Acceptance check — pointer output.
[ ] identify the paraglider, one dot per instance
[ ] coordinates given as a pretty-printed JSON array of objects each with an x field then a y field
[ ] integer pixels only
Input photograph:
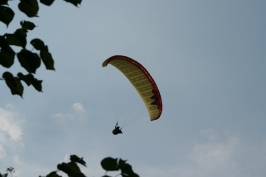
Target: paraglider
[
  {"x": 117, "y": 129},
  {"x": 142, "y": 81}
]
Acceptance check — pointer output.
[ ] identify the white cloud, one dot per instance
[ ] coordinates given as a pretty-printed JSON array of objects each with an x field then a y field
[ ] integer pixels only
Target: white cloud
[
  {"x": 16, "y": 159},
  {"x": 9, "y": 125},
  {"x": 215, "y": 155},
  {"x": 63, "y": 117},
  {"x": 209, "y": 134},
  {"x": 78, "y": 109},
  {"x": 2, "y": 152},
  {"x": 10, "y": 130},
  {"x": 222, "y": 155}
]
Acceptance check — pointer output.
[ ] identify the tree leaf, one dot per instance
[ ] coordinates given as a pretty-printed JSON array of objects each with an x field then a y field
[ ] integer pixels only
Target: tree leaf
[
  {"x": 30, "y": 80},
  {"x": 6, "y": 14},
  {"x": 29, "y": 60},
  {"x": 18, "y": 38},
  {"x": 126, "y": 169},
  {"x": 38, "y": 44},
  {"x": 109, "y": 164},
  {"x": 47, "y": 2},
  {"x": 29, "y": 7},
  {"x": 3, "y": 2},
  {"x": 64, "y": 168},
  {"x": 53, "y": 174},
  {"x": 3, "y": 42},
  {"x": 24, "y": 78},
  {"x": 13, "y": 83},
  {"x": 7, "y": 55},
  {"x": 76, "y": 159},
  {"x": 37, "y": 84},
  {"x": 47, "y": 59},
  {"x": 7, "y": 58},
  {"x": 46, "y": 56},
  {"x": 121, "y": 163},
  {"x": 27, "y": 25},
  {"x": 74, "y": 2},
  {"x": 3, "y": 175},
  {"x": 71, "y": 169}
]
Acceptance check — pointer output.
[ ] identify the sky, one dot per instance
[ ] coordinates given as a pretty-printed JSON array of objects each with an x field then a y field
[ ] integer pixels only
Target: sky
[{"x": 207, "y": 58}]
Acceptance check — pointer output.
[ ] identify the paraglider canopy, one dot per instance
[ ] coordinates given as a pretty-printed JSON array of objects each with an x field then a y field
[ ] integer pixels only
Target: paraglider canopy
[{"x": 141, "y": 80}]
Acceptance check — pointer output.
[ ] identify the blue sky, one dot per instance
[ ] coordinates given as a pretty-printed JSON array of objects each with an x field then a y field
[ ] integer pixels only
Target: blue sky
[{"x": 207, "y": 58}]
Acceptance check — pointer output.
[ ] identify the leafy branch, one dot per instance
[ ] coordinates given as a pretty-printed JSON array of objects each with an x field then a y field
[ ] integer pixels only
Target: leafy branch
[
  {"x": 72, "y": 169},
  {"x": 29, "y": 60},
  {"x": 114, "y": 164}
]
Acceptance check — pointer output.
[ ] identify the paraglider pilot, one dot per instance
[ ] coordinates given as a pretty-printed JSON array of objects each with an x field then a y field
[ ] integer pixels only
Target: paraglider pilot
[{"x": 117, "y": 129}]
